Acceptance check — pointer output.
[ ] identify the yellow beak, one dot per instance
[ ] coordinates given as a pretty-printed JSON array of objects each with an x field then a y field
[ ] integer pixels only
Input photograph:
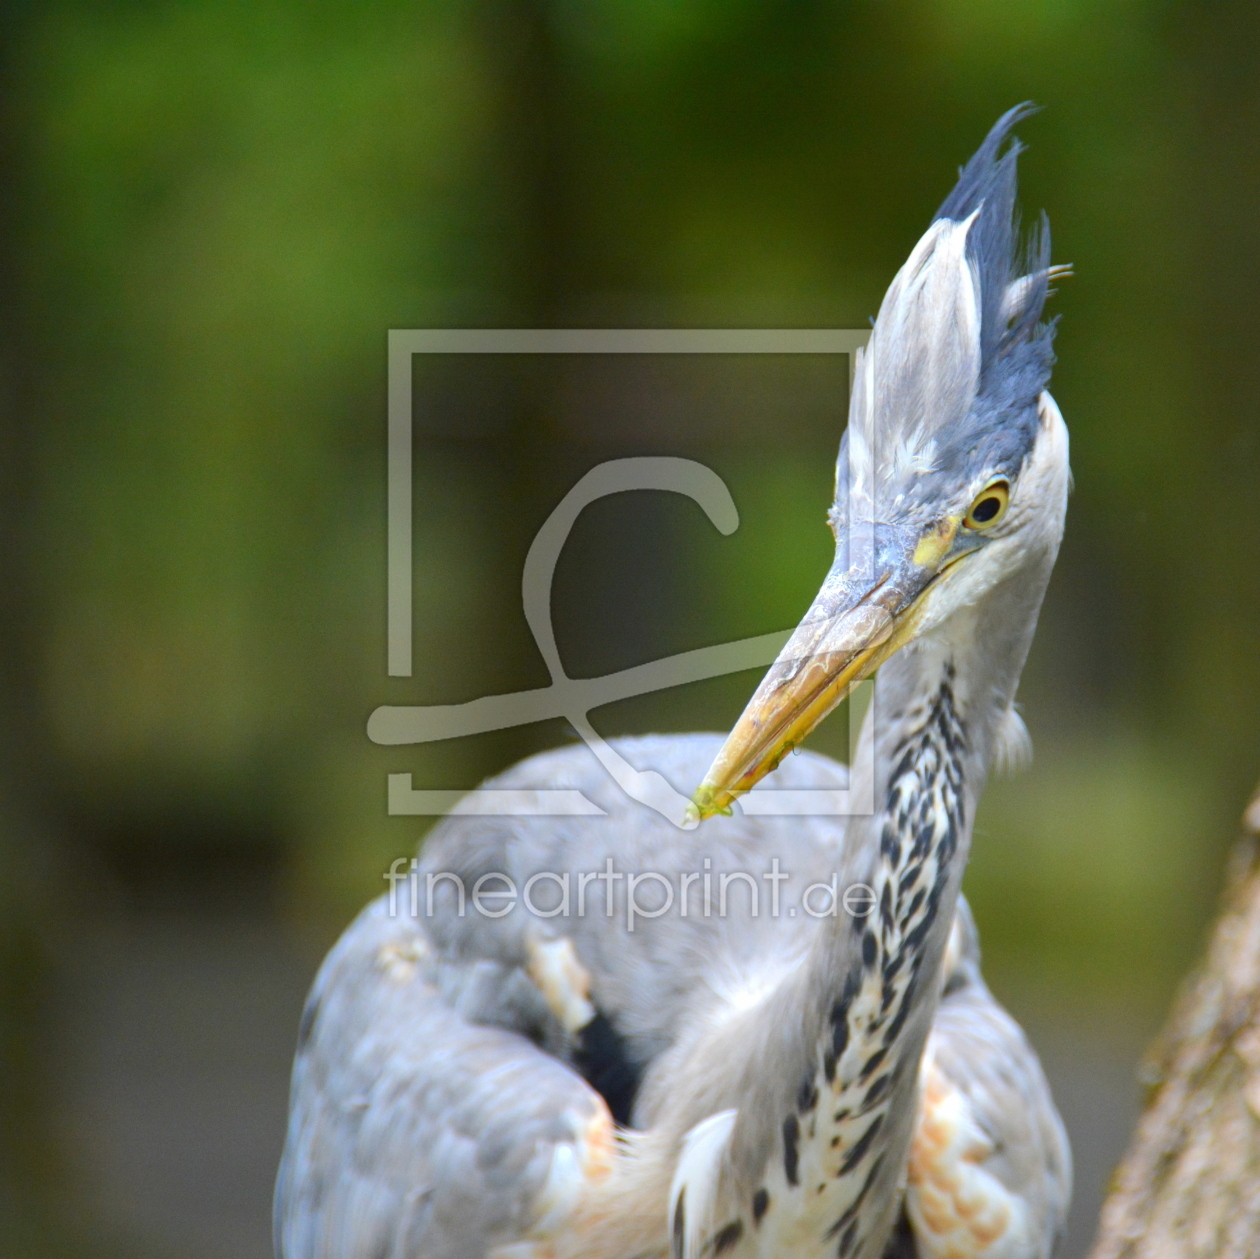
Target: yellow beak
[{"x": 860, "y": 617}]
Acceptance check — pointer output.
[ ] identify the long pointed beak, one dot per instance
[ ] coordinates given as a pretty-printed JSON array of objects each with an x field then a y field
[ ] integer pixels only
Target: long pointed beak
[{"x": 861, "y": 616}]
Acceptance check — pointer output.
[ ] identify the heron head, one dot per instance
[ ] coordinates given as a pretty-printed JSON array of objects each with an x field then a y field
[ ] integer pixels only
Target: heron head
[{"x": 953, "y": 472}]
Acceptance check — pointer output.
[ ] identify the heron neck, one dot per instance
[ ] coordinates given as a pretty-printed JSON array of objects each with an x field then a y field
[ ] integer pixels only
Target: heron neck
[
  {"x": 859, "y": 1012},
  {"x": 930, "y": 736},
  {"x": 968, "y": 670}
]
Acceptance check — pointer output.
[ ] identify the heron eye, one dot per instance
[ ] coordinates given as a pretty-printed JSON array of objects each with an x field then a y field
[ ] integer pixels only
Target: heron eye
[{"x": 989, "y": 507}]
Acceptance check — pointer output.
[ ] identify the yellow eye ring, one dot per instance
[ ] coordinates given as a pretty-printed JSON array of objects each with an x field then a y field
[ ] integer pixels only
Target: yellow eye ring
[{"x": 990, "y": 506}]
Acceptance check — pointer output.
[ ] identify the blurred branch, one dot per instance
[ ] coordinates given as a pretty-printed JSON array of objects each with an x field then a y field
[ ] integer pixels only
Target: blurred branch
[{"x": 1189, "y": 1185}]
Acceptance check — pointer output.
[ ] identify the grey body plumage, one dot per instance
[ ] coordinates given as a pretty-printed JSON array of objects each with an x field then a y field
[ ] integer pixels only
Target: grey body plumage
[{"x": 780, "y": 1095}]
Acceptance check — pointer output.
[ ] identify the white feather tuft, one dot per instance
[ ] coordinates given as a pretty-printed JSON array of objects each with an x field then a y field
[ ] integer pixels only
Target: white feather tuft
[
  {"x": 921, "y": 366},
  {"x": 697, "y": 1179},
  {"x": 1012, "y": 744},
  {"x": 1020, "y": 292}
]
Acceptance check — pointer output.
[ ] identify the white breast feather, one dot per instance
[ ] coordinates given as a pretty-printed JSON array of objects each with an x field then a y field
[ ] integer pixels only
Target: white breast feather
[{"x": 696, "y": 1181}]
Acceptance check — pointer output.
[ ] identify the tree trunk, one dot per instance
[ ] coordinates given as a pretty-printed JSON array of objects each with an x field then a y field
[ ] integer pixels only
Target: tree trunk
[{"x": 1189, "y": 1185}]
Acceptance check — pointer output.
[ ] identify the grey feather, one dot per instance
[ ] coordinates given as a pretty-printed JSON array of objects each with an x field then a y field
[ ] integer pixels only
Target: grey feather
[
  {"x": 984, "y": 1053},
  {"x": 414, "y": 1131},
  {"x": 424, "y": 1112}
]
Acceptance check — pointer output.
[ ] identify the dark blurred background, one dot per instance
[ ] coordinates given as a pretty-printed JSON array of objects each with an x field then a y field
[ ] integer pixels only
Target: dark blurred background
[{"x": 211, "y": 215}]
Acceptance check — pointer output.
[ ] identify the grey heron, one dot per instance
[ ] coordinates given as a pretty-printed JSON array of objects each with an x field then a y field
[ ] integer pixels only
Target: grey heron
[{"x": 564, "y": 1076}]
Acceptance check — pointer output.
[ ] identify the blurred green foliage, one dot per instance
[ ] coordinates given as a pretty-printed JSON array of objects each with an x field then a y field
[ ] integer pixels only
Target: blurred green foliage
[
  {"x": 214, "y": 212},
  {"x": 221, "y": 210}
]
